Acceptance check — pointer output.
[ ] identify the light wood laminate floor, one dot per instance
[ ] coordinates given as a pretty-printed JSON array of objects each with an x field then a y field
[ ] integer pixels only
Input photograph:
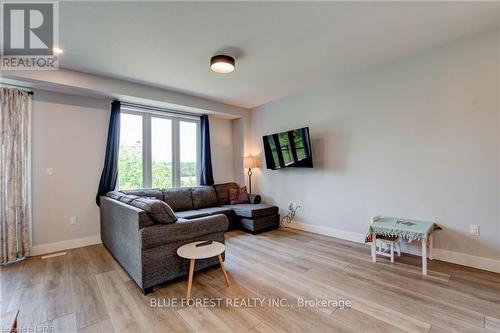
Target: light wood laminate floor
[{"x": 87, "y": 291}]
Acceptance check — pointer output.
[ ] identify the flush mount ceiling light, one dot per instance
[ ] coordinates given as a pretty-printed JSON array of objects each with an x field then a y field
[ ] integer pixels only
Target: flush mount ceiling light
[{"x": 223, "y": 64}]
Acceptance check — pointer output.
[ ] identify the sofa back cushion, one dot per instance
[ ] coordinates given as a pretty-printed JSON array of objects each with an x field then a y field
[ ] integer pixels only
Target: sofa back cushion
[
  {"x": 120, "y": 196},
  {"x": 222, "y": 191},
  {"x": 178, "y": 198},
  {"x": 204, "y": 196},
  {"x": 115, "y": 195},
  {"x": 159, "y": 211},
  {"x": 146, "y": 192},
  {"x": 128, "y": 198}
]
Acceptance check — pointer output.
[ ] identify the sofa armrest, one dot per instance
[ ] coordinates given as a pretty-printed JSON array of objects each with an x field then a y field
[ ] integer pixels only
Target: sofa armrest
[
  {"x": 160, "y": 234},
  {"x": 120, "y": 225},
  {"x": 254, "y": 198},
  {"x": 114, "y": 209}
]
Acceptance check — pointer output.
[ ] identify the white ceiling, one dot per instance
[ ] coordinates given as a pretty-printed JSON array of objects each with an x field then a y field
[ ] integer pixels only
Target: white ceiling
[{"x": 281, "y": 47}]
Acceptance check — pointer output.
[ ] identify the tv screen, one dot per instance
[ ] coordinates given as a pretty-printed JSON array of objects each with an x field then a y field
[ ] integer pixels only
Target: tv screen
[{"x": 288, "y": 149}]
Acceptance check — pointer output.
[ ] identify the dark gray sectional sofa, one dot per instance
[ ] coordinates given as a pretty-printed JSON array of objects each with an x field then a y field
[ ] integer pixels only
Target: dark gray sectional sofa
[{"x": 147, "y": 248}]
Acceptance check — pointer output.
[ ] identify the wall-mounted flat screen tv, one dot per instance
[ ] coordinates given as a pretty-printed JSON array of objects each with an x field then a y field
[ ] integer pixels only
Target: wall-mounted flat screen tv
[{"x": 288, "y": 149}]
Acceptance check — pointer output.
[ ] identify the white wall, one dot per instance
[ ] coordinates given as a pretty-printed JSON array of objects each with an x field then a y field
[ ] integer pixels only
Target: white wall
[
  {"x": 69, "y": 135},
  {"x": 241, "y": 139},
  {"x": 418, "y": 138},
  {"x": 221, "y": 146}
]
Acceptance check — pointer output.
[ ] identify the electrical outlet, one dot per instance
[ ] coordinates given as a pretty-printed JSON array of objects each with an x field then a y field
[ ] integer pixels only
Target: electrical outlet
[
  {"x": 50, "y": 171},
  {"x": 290, "y": 205},
  {"x": 474, "y": 229},
  {"x": 72, "y": 220}
]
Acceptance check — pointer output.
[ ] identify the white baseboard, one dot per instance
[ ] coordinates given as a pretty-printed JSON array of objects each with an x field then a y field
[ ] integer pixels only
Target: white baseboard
[
  {"x": 65, "y": 245},
  {"x": 487, "y": 264},
  {"x": 327, "y": 231}
]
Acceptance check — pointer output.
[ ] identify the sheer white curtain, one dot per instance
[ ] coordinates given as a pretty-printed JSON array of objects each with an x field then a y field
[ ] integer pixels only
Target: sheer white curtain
[{"x": 15, "y": 182}]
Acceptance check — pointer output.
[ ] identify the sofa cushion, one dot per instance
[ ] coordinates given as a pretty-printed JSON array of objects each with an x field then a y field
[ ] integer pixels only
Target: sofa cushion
[
  {"x": 178, "y": 198},
  {"x": 261, "y": 223},
  {"x": 222, "y": 191},
  {"x": 218, "y": 210},
  {"x": 183, "y": 230},
  {"x": 128, "y": 198},
  {"x": 253, "y": 210},
  {"x": 159, "y": 211},
  {"x": 203, "y": 196},
  {"x": 115, "y": 195},
  {"x": 146, "y": 192},
  {"x": 191, "y": 214},
  {"x": 114, "y": 213},
  {"x": 120, "y": 196}
]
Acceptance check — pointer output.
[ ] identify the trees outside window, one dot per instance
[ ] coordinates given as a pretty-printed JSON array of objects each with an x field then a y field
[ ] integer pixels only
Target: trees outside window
[{"x": 157, "y": 151}]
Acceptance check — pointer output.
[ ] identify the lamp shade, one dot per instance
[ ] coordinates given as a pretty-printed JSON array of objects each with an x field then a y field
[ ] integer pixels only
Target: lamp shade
[{"x": 249, "y": 162}]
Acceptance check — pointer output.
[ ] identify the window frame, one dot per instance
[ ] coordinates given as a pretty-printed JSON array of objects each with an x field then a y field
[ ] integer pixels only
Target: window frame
[{"x": 147, "y": 157}]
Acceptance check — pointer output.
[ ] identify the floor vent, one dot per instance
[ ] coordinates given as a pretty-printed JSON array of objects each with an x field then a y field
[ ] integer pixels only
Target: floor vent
[{"x": 54, "y": 255}]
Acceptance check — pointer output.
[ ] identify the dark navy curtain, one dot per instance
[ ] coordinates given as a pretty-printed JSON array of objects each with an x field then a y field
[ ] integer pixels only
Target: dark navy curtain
[
  {"x": 206, "y": 176},
  {"x": 109, "y": 174}
]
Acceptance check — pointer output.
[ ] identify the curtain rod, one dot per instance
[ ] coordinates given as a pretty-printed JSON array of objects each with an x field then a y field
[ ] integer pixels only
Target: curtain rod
[
  {"x": 153, "y": 108},
  {"x": 30, "y": 92}
]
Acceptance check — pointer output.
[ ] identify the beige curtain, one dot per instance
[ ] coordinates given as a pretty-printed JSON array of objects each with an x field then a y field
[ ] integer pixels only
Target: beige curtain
[{"x": 15, "y": 184}]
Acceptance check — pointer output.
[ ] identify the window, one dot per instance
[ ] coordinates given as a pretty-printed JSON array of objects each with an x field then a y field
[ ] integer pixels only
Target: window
[
  {"x": 161, "y": 152},
  {"x": 130, "y": 162},
  {"x": 188, "y": 153},
  {"x": 157, "y": 150}
]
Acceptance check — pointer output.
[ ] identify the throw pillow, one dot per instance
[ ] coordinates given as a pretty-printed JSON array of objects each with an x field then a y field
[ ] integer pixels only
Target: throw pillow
[
  {"x": 115, "y": 195},
  {"x": 128, "y": 198},
  {"x": 159, "y": 211},
  {"x": 237, "y": 196}
]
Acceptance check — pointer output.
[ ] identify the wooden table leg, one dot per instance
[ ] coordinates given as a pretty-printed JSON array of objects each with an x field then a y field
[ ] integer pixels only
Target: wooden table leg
[
  {"x": 431, "y": 246},
  {"x": 392, "y": 253},
  {"x": 221, "y": 262},
  {"x": 374, "y": 247},
  {"x": 190, "y": 280},
  {"x": 424, "y": 257}
]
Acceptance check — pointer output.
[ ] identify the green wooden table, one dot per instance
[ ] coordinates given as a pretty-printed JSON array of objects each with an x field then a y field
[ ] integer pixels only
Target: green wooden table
[{"x": 417, "y": 230}]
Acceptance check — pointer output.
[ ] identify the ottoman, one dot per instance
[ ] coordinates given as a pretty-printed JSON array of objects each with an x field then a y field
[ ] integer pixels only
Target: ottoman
[{"x": 257, "y": 217}]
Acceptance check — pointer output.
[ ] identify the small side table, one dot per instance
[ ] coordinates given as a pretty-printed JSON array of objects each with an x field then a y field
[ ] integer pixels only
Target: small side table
[
  {"x": 422, "y": 231},
  {"x": 191, "y": 252}
]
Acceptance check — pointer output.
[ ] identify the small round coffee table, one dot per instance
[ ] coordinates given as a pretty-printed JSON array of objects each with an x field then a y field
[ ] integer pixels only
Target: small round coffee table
[{"x": 191, "y": 252}]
